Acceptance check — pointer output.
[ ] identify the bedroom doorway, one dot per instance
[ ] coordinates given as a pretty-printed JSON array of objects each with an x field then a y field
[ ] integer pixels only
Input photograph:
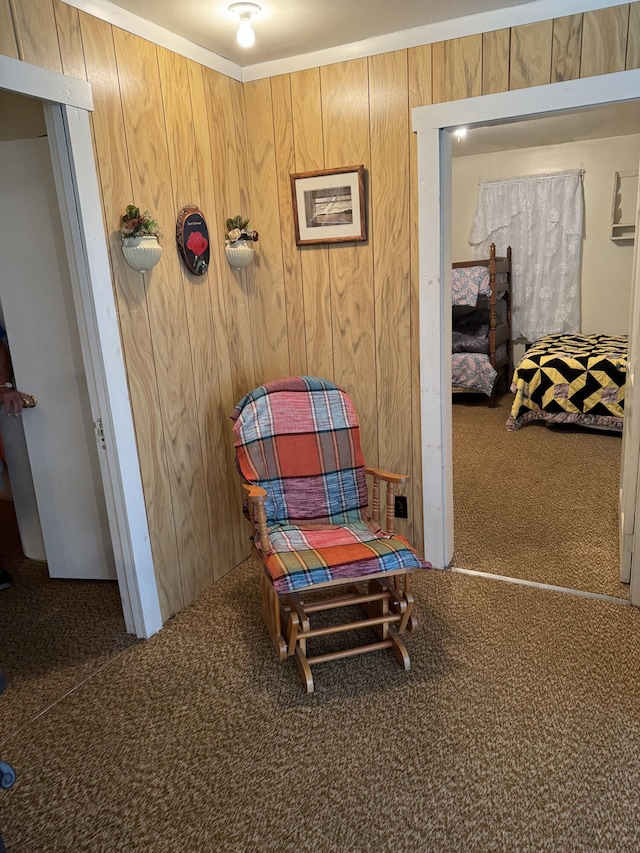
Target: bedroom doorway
[
  {"x": 559, "y": 523},
  {"x": 432, "y": 124}
]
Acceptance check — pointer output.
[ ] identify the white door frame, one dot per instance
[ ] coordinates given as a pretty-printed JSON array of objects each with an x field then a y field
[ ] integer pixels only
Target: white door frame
[
  {"x": 66, "y": 105},
  {"x": 630, "y": 462},
  {"x": 433, "y": 125}
]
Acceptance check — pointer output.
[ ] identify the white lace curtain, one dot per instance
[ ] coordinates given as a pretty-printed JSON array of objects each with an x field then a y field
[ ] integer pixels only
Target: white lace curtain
[{"x": 540, "y": 217}]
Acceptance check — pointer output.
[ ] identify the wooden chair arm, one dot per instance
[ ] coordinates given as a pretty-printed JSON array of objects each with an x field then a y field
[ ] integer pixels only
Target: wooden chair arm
[
  {"x": 255, "y": 498},
  {"x": 392, "y": 481},
  {"x": 254, "y": 491},
  {"x": 387, "y": 476}
]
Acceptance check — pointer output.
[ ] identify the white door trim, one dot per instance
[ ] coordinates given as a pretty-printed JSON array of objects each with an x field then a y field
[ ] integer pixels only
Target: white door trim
[
  {"x": 79, "y": 197},
  {"x": 36, "y": 82},
  {"x": 433, "y": 125},
  {"x": 630, "y": 463}
]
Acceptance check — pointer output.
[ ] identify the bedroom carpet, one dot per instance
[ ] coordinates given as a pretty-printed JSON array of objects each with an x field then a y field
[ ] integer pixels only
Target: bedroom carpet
[
  {"x": 538, "y": 504},
  {"x": 517, "y": 728}
]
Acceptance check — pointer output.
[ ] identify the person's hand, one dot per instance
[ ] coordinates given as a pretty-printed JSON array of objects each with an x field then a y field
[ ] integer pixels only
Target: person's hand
[{"x": 14, "y": 401}]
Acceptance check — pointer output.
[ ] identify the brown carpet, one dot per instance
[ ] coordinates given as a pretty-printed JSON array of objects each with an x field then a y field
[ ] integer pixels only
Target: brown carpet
[
  {"x": 539, "y": 504},
  {"x": 53, "y": 633},
  {"x": 517, "y": 728}
]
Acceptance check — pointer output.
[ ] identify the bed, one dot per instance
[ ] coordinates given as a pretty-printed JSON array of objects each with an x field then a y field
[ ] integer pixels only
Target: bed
[
  {"x": 481, "y": 324},
  {"x": 575, "y": 379}
]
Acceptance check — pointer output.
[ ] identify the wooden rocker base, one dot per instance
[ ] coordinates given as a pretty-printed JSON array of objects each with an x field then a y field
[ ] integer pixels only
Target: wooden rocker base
[
  {"x": 386, "y": 602},
  {"x": 305, "y": 663},
  {"x": 272, "y": 615}
]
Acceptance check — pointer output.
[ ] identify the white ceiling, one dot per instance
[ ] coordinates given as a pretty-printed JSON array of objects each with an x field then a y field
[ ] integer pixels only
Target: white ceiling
[
  {"x": 287, "y": 28},
  {"x": 293, "y": 28},
  {"x": 590, "y": 123}
]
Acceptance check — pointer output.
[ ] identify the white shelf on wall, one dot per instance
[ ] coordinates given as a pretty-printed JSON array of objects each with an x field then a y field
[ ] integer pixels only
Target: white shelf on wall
[{"x": 623, "y": 207}]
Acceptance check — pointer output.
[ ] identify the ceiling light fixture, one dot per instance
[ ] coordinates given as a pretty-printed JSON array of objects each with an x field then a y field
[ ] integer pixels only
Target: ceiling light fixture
[
  {"x": 460, "y": 132},
  {"x": 245, "y": 12}
]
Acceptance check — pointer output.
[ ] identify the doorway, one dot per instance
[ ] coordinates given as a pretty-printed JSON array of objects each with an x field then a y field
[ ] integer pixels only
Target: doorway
[
  {"x": 541, "y": 504},
  {"x": 72, "y": 158},
  {"x": 434, "y": 165},
  {"x": 42, "y": 332}
]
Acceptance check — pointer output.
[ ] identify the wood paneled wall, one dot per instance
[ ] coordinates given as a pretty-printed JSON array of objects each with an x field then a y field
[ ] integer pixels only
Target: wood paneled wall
[
  {"x": 168, "y": 132},
  {"x": 356, "y": 306}
]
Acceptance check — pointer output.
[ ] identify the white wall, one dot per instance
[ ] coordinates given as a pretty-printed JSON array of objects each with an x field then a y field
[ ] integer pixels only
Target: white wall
[
  {"x": 606, "y": 266},
  {"x": 42, "y": 329},
  {"x": 20, "y": 117}
]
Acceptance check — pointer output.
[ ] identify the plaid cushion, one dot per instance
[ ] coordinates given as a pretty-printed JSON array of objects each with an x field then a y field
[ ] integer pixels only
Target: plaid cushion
[{"x": 298, "y": 438}]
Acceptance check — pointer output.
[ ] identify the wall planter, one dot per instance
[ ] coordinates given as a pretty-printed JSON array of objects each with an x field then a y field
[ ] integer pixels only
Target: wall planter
[
  {"x": 238, "y": 245},
  {"x": 141, "y": 253},
  {"x": 239, "y": 253}
]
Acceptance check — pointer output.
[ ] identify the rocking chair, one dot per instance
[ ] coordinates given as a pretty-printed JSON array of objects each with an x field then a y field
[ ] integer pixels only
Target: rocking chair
[{"x": 298, "y": 449}]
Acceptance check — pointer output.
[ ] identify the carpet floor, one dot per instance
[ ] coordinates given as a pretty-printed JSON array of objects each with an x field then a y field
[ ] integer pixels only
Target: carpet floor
[
  {"x": 540, "y": 504},
  {"x": 53, "y": 634},
  {"x": 517, "y": 728}
]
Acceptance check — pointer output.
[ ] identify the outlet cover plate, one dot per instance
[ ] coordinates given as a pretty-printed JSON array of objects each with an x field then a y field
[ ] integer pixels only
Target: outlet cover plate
[{"x": 400, "y": 508}]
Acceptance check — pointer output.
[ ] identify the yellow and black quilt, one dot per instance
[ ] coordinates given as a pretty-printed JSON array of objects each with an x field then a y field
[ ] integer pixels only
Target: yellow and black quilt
[{"x": 571, "y": 379}]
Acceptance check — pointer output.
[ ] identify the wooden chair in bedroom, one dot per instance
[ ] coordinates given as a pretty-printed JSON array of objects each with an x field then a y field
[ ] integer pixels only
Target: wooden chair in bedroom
[{"x": 298, "y": 449}]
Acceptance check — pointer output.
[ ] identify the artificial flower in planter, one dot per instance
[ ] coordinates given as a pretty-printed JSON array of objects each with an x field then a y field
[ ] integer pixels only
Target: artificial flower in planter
[
  {"x": 238, "y": 246},
  {"x": 140, "y": 233}
]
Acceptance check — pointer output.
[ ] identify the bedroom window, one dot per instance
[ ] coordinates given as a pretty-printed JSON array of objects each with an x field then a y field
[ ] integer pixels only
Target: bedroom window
[{"x": 541, "y": 218}]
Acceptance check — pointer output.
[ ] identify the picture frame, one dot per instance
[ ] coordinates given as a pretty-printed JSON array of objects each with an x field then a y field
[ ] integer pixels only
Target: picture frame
[{"x": 329, "y": 205}]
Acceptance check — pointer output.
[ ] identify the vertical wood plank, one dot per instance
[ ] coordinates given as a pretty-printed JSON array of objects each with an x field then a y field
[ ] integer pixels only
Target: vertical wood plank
[
  {"x": 269, "y": 317},
  {"x": 392, "y": 257},
  {"x": 236, "y": 283},
  {"x": 70, "y": 40},
  {"x": 420, "y": 80},
  {"x": 242, "y": 153},
  {"x": 8, "y": 43},
  {"x": 214, "y": 389},
  {"x": 291, "y": 260},
  {"x": 530, "y": 61},
  {"x": 144, "y": 120},
  {"x": 457, "y": 69},
  {"x": 247, "y": 276},
  {"x": 116, "y": 191},
  {"x": 633, "y": 40},
  {"x": 345, "y": 120},
  {"x": 307, "y": 119},
  {"x": 439, "y": 72},
  {"x": 36, "y": 34},
  {"x": 306, "y": 107},
  {"x": 495, "y": 61},
  {"x": 567, "y": 47},
  {"x": 604, "y": 41},
  {"x": 178, "y": 123},
  {"x": 200, "y": 365},
  {"x": 246, "y": 203},
  {"x": 420, "y": 94}
]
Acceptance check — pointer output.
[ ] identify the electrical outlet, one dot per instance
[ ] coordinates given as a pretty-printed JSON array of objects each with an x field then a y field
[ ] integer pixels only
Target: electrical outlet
[{"x": 400, "y": 508}]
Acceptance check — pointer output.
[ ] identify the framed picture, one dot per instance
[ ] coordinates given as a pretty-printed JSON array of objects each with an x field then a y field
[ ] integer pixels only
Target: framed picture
[{"x": 329, "y": 206}]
